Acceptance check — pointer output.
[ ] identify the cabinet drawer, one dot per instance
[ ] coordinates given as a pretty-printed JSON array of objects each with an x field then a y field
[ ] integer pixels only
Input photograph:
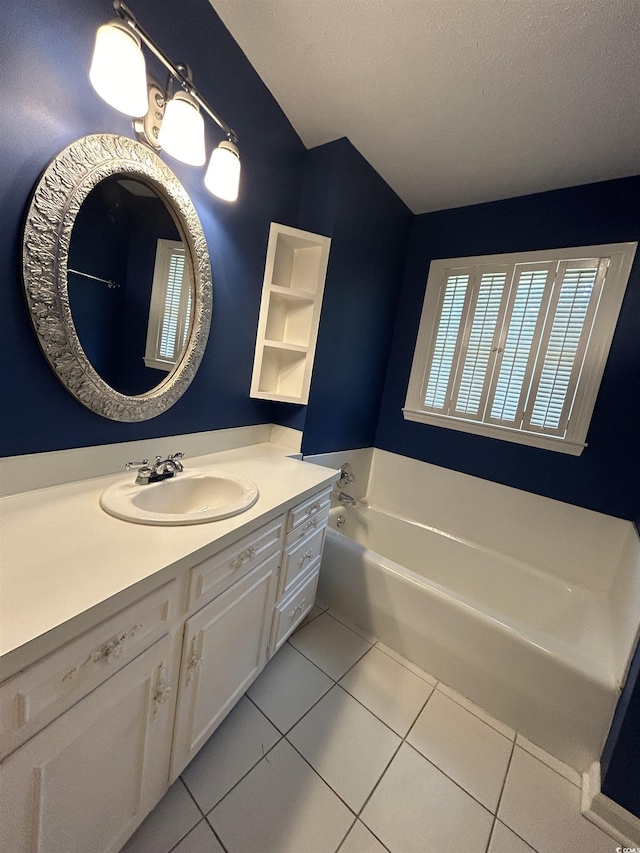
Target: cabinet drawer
[
  {"x": 34, "y": 697},
  {"x": 298, "y": 558},
  {"x": 304, "y": 511},
  {"x": 213, "y": 576},
  {"x": 292, "y": 610},
  {"x": 316, "y": 522}
]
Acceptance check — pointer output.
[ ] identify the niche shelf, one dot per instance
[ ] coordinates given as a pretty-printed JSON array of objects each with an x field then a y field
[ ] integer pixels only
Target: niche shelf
[{"x": 294, "y": 276}]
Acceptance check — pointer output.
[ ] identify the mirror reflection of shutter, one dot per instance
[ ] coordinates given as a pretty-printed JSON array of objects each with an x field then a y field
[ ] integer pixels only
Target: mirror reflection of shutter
[
  {"x": 439, "y": 372},
  {"x": 168, "y": 345},
  {"x": 571, "y": 313},
  {"x": 170, "y": 308}
]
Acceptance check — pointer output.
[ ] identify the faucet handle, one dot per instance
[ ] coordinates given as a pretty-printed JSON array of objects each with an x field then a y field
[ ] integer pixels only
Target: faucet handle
[
  {"x": 175, "y": 457},
  {"x": 144, "y": 464}
]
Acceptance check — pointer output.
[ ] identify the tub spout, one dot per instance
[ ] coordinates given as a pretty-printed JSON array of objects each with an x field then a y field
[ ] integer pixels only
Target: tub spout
[{"x": 344, "y": 498}]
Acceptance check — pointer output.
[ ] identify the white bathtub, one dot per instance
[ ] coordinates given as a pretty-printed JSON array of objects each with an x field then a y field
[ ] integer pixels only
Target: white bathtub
[{"x": 535, "y": 650}]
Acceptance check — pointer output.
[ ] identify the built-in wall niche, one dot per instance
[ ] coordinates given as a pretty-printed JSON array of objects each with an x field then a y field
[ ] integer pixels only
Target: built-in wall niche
[{"x": 292, "y": 290}]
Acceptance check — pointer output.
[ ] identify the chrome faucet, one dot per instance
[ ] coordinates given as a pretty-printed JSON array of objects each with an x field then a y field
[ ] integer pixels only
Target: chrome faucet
[
  {"x": 162, "y": 469},
  {"x": 344, "y": 498}
]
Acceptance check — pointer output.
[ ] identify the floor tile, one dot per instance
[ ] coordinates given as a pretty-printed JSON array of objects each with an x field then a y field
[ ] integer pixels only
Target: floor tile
[
  {"x": 281, "y": 806},
  {"x": 330, "y": 645},
  {"x": 311, "y": 615},
  {"x": 505, "y": 841},
  {"x": 478, "y": 712},
  {"x": 555, "y": 763},
  {"x": 360, "y": 840},
  {"x": 288, "y": 687},
  {"x": 464, "y": 747},
  {"x": 388, "y": 689},
  {"x": 349, "y": 624},
  {"x": 544, "y": 808},
  {"x": 416, "y": 808},
  {"x": 174, "y": 816},
  {"x": 320, "y": 604},
  {"x": 406, "y": 663},
  {"x": 200, "y": 840},
  {"x": 239, "y": 743},
  {"x": 346, "y": 744}
]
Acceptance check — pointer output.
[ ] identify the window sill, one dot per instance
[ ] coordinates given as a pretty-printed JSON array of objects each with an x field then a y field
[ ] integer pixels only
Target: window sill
[{"x": 544, "y": 442}]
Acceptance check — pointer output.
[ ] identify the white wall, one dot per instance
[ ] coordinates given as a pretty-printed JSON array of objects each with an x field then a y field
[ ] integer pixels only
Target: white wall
[{"x": 360, "y": 461}]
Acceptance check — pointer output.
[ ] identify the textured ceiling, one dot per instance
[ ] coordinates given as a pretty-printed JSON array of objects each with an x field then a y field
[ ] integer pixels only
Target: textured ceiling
[{"x": 456, "y": 102}]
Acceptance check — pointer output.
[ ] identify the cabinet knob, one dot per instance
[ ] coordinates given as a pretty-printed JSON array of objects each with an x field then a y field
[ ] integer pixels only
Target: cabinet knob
[{"x": 308, "y": 555}]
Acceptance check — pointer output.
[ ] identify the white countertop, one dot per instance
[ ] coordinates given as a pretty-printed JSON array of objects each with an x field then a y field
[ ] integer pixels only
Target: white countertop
[{"x": 65, "y": 564}]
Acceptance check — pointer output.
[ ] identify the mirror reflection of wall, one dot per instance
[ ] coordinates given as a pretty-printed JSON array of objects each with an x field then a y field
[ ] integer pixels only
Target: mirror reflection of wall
[{"x": 134, "y": 324}]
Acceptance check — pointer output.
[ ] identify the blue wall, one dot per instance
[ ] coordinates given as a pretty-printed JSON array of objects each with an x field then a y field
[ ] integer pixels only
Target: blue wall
[
  {"x": 46, "y": 48},
  {"x": 344, "y": 198},
  {"x": 606, "y": 476},
  {"x": 620, "y": 762}
]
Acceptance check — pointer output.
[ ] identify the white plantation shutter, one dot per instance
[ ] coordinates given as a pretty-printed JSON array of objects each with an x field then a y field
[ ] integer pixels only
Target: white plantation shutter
[
  {"x": 453, "y": 303},
  {"x": 525, "y": 314},
  {"x": 576, "y": 295},
  {"x": 477, "y": 350},
  {"x": 514, "y": 346}
]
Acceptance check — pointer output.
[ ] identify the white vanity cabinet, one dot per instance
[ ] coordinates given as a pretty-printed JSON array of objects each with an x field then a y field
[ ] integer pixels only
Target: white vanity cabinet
[
  {"x": 83, "y": 784},
  {"x": 224, "y": 649},
  {"x": 93, "y": 734}
]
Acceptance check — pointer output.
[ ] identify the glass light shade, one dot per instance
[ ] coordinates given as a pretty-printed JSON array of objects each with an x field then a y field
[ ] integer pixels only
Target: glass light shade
[
  {"x": 118, "y": 72},
  {"x": 182, "y": 130},
  {"x": 223, "y": 175}
]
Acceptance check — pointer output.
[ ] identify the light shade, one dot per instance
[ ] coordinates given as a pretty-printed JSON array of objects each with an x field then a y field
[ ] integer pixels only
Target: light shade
[
  {"x": 118, "y": 73},
  {"x": 182, "y": 130},
  {"x": 223, "y": 175}
]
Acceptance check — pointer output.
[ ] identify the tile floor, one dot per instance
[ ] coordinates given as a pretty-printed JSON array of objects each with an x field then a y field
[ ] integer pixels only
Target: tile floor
[{"x": 342, "y": 744}]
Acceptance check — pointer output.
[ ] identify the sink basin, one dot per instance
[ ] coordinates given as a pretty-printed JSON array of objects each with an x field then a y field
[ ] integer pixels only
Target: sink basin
[{"x": 188, "y": 498}]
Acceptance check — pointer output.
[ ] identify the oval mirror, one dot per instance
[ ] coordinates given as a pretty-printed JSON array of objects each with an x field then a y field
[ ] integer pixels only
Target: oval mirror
[{"x": 117, "y": 277}]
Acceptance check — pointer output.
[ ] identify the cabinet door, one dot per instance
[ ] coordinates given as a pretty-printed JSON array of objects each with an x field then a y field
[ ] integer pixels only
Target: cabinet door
[
  {"x": 225, "y": 647},
  {"x": 84, "y": 783}
]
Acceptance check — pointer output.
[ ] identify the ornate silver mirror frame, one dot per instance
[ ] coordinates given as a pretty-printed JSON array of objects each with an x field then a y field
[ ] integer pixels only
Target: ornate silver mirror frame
[{"x": 57, "y": 199}]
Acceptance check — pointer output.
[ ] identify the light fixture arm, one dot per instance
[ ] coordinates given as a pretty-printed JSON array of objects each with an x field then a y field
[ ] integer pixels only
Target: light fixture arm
[{"x": 184, "y": 78}]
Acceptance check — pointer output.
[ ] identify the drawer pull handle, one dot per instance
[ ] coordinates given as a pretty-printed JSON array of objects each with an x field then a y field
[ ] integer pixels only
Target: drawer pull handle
[
  {"x": 308, "y": 555},
  {"x": 245, "y": 556},
  {"x": 313, "y": 522},
  {"x": 301, "y": 605},
  {"x": 108, "y": 653},
  {"x": 195, "y": 660},
  {"x": 313, "y": 508},
  {"x": 162, "y": 690}
]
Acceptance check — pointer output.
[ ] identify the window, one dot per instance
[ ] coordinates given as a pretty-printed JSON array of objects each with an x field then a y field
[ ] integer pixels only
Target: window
[
  {"x": 170, "y": 311},
  {"x": 514, "y": 346}
]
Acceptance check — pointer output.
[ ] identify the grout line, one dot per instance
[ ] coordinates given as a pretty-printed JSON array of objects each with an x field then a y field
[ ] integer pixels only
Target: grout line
[
  {"x": 306, "y": 658},
  {"x": 503, "y": 786},
  {"x": 548, "y": 766},
  {"x": 235, "y": 784},
  {"x": 450, "y": 778},
  {"x": 437, "y": 680},
  {"x": 477, "y": 716},
  {"x": 192, "y": 797},
  {"x": 345, "y": 837},
  {"x": 185, "y": 835},
  {"x": 524, "y": 840},
  {"x": 373, "y": 713},
  {"x": 402, "y": 740},
  {"x": 345, "y": 672},
  {"x": 322, "y": 779},
  {"x": 219, "y": 840},
  {"x": 336, "y": 618}
]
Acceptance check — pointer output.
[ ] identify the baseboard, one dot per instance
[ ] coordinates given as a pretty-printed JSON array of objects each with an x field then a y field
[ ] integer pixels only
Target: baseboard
[{"x": 607, "y": 814}]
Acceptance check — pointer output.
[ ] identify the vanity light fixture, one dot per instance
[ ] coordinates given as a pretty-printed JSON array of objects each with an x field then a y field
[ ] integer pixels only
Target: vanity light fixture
[{"x": 161, "y": 120}]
